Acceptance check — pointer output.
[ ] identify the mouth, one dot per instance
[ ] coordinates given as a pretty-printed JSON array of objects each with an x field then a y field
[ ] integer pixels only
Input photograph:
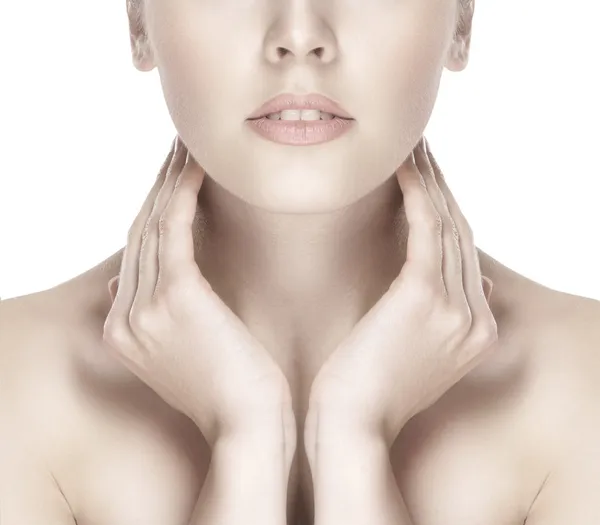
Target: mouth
[
  {"x": 289, "y": 107},
  {"x": 305, "y": 115}
]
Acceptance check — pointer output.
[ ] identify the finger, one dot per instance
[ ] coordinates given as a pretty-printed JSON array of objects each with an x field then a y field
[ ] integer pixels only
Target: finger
[
  {"x": 488, "y": 286},
  {"x": 149, "y": 264},
  {"x": 472, "y": 278},
  {"x": 128, "y": 275},
  {"x": 424, "y": 246},
  {"x": 176, "y": 242},
  {"x": 452, "y": 257},
  {"x": 113, "y": 285}
]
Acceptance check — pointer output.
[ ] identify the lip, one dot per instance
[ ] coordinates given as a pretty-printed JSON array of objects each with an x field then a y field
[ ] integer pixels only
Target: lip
[
  {"x": 291, "y": 101},
  {"x": 301, "y": 132}
]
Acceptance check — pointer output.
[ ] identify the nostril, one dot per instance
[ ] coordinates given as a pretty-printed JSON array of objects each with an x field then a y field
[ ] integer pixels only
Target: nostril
[{"x": 281, "y": 52}]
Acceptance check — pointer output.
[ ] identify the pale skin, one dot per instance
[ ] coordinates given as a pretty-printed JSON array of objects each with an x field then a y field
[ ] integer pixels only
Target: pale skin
[{"x": 302, "y": 369}]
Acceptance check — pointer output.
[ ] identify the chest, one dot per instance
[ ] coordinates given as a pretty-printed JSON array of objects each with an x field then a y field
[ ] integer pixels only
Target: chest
[
  {"x": 469, "y": 472},
  {"x": 451, "y": 469}
]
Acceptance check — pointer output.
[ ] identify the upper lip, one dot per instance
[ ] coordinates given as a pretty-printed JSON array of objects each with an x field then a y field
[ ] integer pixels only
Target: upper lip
[{"x": 291, "y": 101}]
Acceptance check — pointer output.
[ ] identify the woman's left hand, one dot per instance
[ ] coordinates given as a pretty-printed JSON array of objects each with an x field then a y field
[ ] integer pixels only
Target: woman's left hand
[{"x": 428, "y": 330}]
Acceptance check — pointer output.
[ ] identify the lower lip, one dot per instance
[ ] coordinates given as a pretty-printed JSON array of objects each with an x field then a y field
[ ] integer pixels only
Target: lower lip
[{"x": 301, "y": 132}]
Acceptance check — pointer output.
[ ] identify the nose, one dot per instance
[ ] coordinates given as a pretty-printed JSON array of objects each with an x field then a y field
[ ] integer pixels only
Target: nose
[{"x": 299, "y": 34}]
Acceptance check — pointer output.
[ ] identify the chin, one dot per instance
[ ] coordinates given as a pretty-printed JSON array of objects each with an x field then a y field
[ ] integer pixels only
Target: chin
[
  {"x": 300, "y": 180},
  {"x": 303, "y": 180},
  {"x": 299, "y": 192}
]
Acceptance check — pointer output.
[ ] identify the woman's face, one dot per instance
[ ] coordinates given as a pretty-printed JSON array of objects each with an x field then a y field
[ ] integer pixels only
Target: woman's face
[{"x": 381, "y": 60}]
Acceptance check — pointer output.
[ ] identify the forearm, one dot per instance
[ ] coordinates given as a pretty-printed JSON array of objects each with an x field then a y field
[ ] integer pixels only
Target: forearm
[
  {"x": 246, "y": 482},
  {"x": 353, "y": 480}
]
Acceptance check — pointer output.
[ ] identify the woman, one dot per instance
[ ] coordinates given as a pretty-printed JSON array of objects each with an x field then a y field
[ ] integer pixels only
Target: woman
[{"x": 284, "y": 337}]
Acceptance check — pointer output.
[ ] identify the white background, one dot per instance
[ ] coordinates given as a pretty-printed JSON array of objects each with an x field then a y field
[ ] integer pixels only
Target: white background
[{"x": 516, "y": 134}]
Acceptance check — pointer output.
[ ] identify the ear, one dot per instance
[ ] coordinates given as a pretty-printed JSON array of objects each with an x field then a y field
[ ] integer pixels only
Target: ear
[
  {"x": 141, "y": 50},
  {"x": 458, "y": 53}
]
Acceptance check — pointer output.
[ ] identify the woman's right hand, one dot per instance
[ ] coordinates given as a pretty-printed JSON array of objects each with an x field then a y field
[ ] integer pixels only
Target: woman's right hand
[{"x": 173, "y": 331}]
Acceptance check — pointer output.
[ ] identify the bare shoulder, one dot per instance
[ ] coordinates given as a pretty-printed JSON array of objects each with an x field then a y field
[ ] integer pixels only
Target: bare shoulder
[
  {"x": 32, "y": 409},
  {"x": 34, "y": 362},
  {"x": 46, "y": 339},
  {"x": 567, "y": 333},
  {"x": 556, "y": 333},
  {"x": 51, "y": 357},
  {"x": 563, "y": 408},
  {"x": 562, "y": 370}
]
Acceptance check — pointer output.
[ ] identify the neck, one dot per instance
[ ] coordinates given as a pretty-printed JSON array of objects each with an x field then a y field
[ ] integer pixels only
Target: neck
[
  {"x": 300, "y": 274},
  {"x": 300, "y": 282}
]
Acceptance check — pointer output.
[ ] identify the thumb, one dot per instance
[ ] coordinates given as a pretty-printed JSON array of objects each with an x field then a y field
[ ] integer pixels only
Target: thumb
[
  {"x": 113, "y": 286},
  {"x": 488, "y": 285}
]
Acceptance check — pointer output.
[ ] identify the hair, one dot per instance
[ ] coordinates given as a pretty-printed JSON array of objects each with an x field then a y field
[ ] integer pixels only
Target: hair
[
  {"x": 464, "y": 17},
  {"x": 135, "y": 9}
]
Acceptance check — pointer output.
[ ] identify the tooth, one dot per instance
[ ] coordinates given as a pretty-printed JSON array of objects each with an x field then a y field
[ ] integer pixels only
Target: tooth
[
  {"x": 290, "y": 114},
  {"x": 298, "y": 114}
]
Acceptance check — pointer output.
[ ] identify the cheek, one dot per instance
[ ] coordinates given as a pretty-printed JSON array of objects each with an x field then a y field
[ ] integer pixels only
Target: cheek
[
  {"x": 183, "y": 72},
  {"x": 417, "y": 88},
  {"x": 406, "y": 85},
  {"x": 183, "y": 60},
  {"x": 201, "y": 85},
  {"x": 419, "y": 69}
]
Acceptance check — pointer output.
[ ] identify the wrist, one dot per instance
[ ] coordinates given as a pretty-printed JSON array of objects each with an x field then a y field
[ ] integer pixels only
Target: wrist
[
  {"x": 247, "y": 480},
  {"x": 327, "y": 429},
  {"x": 269, "y": 431},
  {"x": 354, "y": 482},
  {"x": 266, "y": 420},
  {"x": 330, "y": 417}
]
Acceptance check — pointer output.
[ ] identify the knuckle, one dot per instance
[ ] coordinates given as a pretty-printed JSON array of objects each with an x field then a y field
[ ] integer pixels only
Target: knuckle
[
  {"x": 170, "y": 299},
  {"x": 171, "y": 290},
  {"x": 425, "y": 290},
  {"x": 165, "y": 222},
  {"x": 132, "y": 233},
  {"x": 460, "y": 320},
  {"x": 455, "y": 232},
  {"x": 141, "y": 320},
  {"x": 145, "y": 233},
  {"x": 467, "y": 232},
  {"x": 434, "y": 222},
  {"x": 485, "y": 334},
  {"x": 171, "y": 296},
  {"x": 116, "y": 334}
]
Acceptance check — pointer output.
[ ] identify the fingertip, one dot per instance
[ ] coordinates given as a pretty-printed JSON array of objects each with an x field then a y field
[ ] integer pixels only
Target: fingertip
[
  {"x": 406, "y": 167},
  {"x": 113, "y": 286},
  {"x": 191, "y": 165},
  {"x": 487, "y": 285},
  {"x": 178, "y": 143}
]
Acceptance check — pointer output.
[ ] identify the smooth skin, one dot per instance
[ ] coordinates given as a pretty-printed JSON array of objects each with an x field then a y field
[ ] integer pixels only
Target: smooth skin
[
  {"x": 169, "y": 328},
  {"x": 434, "y": 322},
  {"x": 103, "y": 421}
]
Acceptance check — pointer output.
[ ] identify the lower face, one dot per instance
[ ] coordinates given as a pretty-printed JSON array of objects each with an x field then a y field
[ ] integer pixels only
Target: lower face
[{"x": 382, "y": 62}]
